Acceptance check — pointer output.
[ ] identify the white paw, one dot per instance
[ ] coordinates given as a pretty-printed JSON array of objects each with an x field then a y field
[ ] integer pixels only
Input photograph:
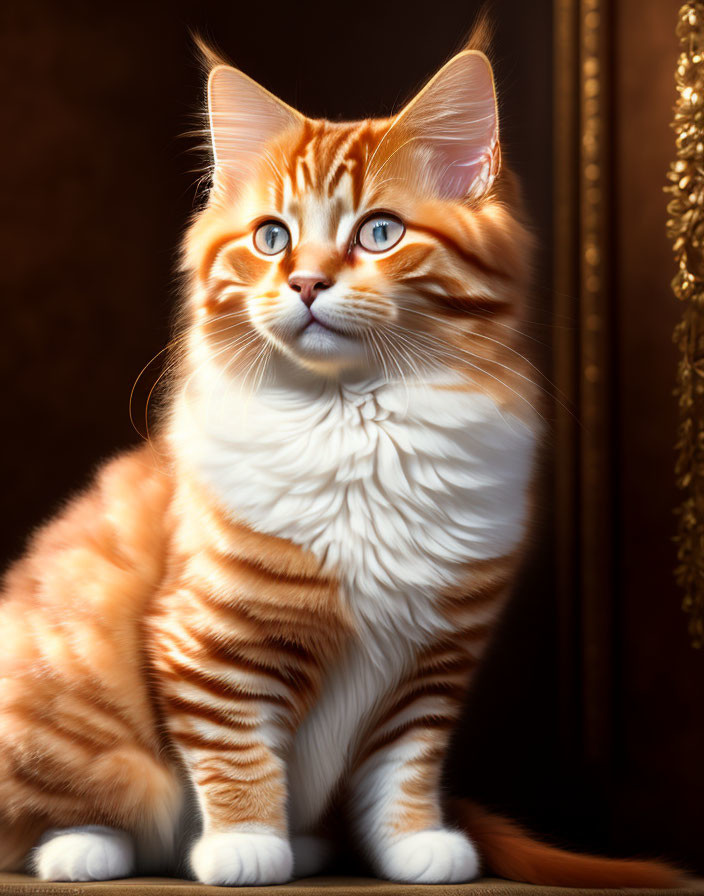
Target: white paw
[
  {"x": 90, "y": 853},
  {"x": 242, "y": 857},
  {"x": 429, "y": 857},
  {"x": 311, "y": 854}
]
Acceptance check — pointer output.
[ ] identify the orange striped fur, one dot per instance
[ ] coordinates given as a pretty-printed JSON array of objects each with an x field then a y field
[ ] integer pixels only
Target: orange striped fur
[{"x": 274, "y": 610}]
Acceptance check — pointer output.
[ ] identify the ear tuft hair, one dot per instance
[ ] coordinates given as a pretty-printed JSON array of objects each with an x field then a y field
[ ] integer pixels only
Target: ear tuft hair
[
  {"x": 481, "y": 37},
  {"x": 208, "y": 56}
]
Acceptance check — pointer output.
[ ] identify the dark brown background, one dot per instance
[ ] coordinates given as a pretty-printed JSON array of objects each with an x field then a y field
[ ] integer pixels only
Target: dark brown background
[{"x": 98, "y": 186}]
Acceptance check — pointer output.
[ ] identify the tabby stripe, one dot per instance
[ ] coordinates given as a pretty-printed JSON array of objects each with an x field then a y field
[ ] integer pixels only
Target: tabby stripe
[
  {"x": 234, "y": 693},
  {"x": 356, "y": 172},
  {"x": 469, "y": 257},
  {"x": 239, "y": 657},
  {"x": 236, "y": 596},
  {"x": 30, "y": 778},
  {"x": 449, "y": 661},
  {"x": 196, "y": 740},
  {"x": 238, "y": 538},
  {"x": 307, "y": 135},
  {"x": 305, "y": 172},
  {"x": 203, "y": 671},
  {"x": 298, "y": 651},
  {"x": 336, "y": 178},
  {"x": 256, "y": 620},
  {"x": 209, "y": 256},
  {"x": 257, "y": 566},
  {"x": 112, "y": 712},
  {"x": 278, "y": 603},
  {"x": 438, "y": 723},
  {"x": 215, "y": 685},
  {"x": 338, "y": 145},
  {"x": 222, "y": 718},
  {"x": 461, "y": 305},
  {"x": 230, "y": 777},
  {"x": 277, "y": 188},
  {"x": 258, "y": 634},
  {"x": 55, "y": 727},
  {"x": 262, "y": 642},
  {"x": 447, "y": 689}
]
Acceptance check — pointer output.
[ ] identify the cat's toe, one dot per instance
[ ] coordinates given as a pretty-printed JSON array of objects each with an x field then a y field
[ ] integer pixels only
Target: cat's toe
[
  {"x": 242, "y": 857},
  {"x": 311, "y": 854},
  {"x": 430, "y": 857},
  {"x": 84, "y": 854}
]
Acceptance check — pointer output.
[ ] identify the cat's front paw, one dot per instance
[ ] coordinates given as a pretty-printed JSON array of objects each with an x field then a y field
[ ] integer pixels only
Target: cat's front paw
[
  {"x": 241, "y": 857},
  {"x": 88, "y": 853},
  {"x": 429, "y": 857}
]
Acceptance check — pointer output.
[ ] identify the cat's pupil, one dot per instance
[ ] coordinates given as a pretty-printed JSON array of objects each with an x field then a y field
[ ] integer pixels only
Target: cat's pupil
[
  {"x": 272, "y": 237},
  {"x": 381, "y": 233}
]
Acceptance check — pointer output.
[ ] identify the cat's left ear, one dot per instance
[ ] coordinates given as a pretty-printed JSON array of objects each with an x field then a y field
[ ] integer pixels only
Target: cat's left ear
[{"x": 451, "y": 129}]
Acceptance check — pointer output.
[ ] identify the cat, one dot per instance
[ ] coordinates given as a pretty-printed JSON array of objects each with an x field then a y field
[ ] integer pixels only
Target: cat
[{"x": 270, "y": 613}]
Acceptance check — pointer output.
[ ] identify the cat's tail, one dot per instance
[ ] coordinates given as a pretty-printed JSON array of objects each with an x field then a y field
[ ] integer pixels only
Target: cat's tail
[{"x": 509, "y": 851}]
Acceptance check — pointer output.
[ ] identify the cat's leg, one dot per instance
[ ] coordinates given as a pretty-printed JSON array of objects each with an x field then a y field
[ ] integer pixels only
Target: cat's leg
[
  {"x": 240, "y": 785},
  {"x": 238, "y": 649},
  {"x": 232, "y": 740},
  {"x": 395, "y": 795},
  {"x": 84, "y": 853},
  {"x": 399, "y": 820}
]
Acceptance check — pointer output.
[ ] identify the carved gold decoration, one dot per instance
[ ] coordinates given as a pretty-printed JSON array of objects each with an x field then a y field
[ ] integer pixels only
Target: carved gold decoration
[{"x": 686, "y": 229}]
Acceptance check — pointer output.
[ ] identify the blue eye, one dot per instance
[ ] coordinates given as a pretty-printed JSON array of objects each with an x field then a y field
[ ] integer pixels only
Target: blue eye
[
  {"x": 271, "y": 237},
  {"x": 380, "y": 232}
]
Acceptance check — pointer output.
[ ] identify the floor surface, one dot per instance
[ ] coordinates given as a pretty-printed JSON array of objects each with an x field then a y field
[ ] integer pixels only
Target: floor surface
[{"x": 18, "y": 885}]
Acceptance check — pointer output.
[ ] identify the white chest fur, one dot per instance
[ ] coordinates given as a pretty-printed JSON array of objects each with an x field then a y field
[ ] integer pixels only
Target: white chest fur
[{"x": 395, "y": 488}]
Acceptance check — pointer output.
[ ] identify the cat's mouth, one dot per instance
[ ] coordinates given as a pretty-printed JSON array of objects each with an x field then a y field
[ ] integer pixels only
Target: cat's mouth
[
  {"x": 317, "y": 337},
  {"x": 317, "y": 341},
  {"x": 315, "y": 322}
]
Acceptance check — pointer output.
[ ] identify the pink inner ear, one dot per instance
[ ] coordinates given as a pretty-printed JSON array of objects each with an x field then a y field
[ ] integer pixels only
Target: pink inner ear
[
  {"x": 466, "y": 165},
  {"x": 455, "y": 118}
]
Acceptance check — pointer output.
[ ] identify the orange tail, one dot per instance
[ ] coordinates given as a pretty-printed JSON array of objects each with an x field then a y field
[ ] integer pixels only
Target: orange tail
[{"x": 511, "y": 852}]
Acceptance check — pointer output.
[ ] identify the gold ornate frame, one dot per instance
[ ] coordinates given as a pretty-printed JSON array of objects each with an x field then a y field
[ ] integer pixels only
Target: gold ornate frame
[{"x": 581, "y": 294}]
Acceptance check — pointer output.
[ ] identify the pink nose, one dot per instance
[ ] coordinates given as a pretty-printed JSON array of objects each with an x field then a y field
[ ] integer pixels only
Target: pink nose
[{"x": 308, "y": 287}]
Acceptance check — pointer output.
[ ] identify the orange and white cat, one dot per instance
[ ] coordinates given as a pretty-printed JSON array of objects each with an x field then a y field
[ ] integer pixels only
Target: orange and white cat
[{"x": 272, "y": 612}]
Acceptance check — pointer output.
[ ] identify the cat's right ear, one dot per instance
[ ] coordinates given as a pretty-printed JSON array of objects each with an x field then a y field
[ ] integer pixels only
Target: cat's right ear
[{"x": 243, "y": 117}]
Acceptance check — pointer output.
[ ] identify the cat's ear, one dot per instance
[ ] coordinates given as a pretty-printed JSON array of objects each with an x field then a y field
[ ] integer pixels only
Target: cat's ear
[
  {"x": 452, "y": 129},
  {"x": 243, "y": 117}
]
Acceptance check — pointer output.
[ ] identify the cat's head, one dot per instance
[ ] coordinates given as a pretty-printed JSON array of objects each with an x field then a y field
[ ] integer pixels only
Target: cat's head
[{"x": 385, "y": 246}]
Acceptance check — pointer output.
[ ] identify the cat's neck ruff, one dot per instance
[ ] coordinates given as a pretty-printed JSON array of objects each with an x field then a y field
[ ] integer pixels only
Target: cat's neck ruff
[{"x": 395, "y": 487}]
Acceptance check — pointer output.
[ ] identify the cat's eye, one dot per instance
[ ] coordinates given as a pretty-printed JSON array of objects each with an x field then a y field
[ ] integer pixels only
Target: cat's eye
[
  {"x": 380, "y": 232},
  {"x": 271, "y": 237}
]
